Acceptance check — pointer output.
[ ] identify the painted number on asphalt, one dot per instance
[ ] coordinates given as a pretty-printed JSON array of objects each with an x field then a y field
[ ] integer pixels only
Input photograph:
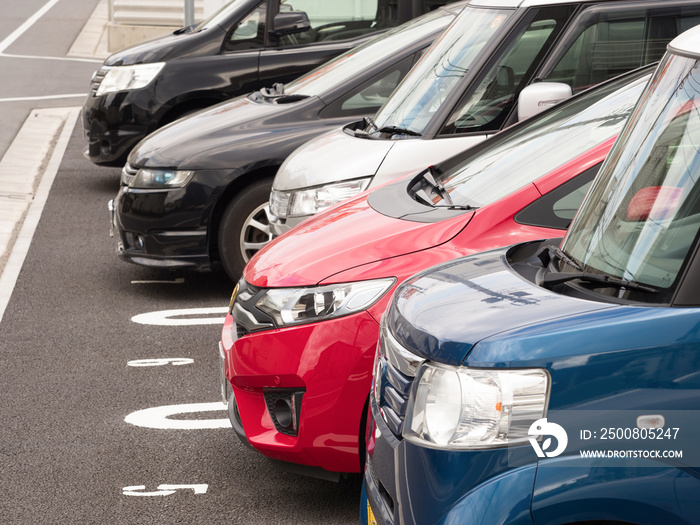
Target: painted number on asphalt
[
  {"x": 163, "y": 490},
  {"x": 175, "y": 361},
  {"x": 159, "y": 417}
]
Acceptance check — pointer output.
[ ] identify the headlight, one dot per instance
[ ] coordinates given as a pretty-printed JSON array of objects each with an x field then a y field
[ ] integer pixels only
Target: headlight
[
  {"x": 290, "y": 306},
  {"x": 123, "y": 78},
  {"x": 464, "y": 408},
  {"x": 306, "y": 202},
  {"x": 150, "y": 178}
]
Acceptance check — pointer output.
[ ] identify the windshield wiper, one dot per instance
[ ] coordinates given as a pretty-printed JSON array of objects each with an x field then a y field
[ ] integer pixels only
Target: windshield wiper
[
  {"x": 370, "y": 124},
  {"x": 396, "y": 130},
  {"x": 430, "y": 179},
  {"x": 553, "y": 279},
  {"x": 553, "y": 253}
]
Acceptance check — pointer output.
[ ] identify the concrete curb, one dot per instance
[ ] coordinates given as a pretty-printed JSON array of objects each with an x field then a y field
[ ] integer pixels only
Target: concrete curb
[{"x": 92, "y": 40}]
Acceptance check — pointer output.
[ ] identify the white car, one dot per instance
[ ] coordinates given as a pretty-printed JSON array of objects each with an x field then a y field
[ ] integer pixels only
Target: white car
[{"x": 499, "y": 62}]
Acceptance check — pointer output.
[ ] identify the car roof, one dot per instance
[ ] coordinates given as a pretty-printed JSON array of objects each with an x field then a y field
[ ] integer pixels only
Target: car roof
[
  {"x": 686, "y": 44},
  {"x": 528, "y": 3}
]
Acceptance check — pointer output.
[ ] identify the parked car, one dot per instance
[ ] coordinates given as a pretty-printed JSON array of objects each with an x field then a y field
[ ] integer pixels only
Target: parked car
[
  {"x": 557, "y": 382},
  {"x": 247, "y": 45},
  {"x": 498, "y": 63},
  {"x": 218, "y": 210},
  {"x": 298, "y": 343}
]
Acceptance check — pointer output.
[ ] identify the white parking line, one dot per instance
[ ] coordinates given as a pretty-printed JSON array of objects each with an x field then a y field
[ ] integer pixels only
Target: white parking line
[
  {"x": 19, "y": 189},
  {"x": 9, "y": 40},
  {"x": 59, "y": 59},
  {"x": 47, "y": 97}
]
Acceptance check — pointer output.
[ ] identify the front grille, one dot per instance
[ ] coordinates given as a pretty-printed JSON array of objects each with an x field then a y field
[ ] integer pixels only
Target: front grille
[
  {"x": 97, "y": 79},
  {"x": 395, "y": 372}
]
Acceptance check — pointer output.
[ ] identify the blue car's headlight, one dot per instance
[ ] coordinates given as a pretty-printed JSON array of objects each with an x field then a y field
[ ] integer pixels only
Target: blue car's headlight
[{"x": 464, "y": 408}]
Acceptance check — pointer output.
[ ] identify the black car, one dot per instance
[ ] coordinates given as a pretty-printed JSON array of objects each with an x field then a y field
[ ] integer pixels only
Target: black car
[
  {"x": 247, "y": 45},
  {"x": 196, "y": 192}
]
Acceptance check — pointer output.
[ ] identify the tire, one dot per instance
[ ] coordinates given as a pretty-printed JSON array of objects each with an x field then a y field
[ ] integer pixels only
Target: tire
[{"x": 245, "y": 227}]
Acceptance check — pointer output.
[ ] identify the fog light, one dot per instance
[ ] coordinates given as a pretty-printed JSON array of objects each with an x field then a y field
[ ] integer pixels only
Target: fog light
[
  {"x": 284, "y": 406},
  {"x": 138, "y": 242},
  {"x": 283, "y": 413},
  {"x": 105, "y": 148}
]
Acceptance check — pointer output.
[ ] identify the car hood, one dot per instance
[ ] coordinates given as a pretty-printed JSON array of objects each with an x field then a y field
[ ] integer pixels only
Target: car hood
[
  {"x": 349, "y": 157},
  {"x": 337, "y": 240},
  {"x": 450, "y": 310},
  {"x": 167, "y": 47},
  {"x": 213, "y": 138}
]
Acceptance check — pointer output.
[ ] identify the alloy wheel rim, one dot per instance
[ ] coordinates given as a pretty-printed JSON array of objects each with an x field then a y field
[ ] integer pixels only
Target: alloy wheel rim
[{"x": 256, "y": 231}]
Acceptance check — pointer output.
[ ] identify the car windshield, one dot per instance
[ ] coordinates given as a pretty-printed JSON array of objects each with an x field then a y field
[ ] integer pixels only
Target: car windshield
[
  {"x": 439, "y": 71},
  {"x": 347, "y": 66},
  {"x": 221, "y": 15},
  {"x": 641, "y": 218},
  {"x": 514, "y": 159}
]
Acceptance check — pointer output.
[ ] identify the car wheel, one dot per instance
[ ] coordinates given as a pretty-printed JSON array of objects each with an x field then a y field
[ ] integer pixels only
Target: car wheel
[{"x": 245, "y": 227}]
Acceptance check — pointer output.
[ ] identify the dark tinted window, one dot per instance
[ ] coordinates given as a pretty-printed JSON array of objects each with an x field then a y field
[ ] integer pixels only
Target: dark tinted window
[
  {"x": 608, "y": 44},
  {"x": 557, "y": 208}
]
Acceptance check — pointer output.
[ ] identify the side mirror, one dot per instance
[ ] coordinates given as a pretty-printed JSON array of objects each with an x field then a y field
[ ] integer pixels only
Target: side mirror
[
  {"x": 654, "y": 203},
  {"x": 540, "y": 96},
  {"x": 290, "y": 22}
]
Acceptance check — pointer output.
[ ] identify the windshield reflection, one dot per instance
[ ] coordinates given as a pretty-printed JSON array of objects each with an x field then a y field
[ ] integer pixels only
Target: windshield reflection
[
  {"x": 642, "y": 216},
  {"x": 430, "y": 82}
]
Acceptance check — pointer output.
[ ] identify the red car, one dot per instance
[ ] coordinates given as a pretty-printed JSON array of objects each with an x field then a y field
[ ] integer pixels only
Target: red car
[{"x": 298, "y": 344}]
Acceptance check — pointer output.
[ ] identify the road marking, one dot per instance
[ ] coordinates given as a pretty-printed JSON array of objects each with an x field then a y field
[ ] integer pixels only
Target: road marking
[
  {"x": 175, "y": 361},
  {"x": 169, "y": 317},
  {"x": 9, "y": 40},
  {"x": 179, "y": 280},
  {"x": 59, "y": 59},
  {"x": 164, "y": 490},
  {"x": 47, "y": 97},
  {"x": 158, "y": 417},
  {"x": 21, "y": 244}
]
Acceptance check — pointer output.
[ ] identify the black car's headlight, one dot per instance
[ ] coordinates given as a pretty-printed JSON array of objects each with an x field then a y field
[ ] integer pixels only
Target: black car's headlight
[
  {"x": 158, "y": 178},
  {"x": 291, "y": 306},
  {"x": 125, "y": 78}
]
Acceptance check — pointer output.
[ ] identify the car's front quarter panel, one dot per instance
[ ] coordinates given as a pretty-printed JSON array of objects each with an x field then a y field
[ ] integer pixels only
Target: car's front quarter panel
[{"x": 647, "y": 494}]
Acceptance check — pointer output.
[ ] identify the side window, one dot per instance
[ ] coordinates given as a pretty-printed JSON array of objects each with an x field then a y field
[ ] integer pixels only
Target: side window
[
  {"x": 335, "y": 20},
  {"x": 371, "y": 95},
  {"x": 557, "y": 208},
  {"x": 486, "y": 107},
  {"x": 249, "y": 33},
  {"x": 608, "y": 46}
]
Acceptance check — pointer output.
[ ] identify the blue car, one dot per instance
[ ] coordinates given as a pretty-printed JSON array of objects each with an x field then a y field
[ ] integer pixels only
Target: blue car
[{"x": 558, "y": 381}]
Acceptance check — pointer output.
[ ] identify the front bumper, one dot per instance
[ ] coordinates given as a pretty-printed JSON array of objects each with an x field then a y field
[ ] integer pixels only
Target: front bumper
[
  {"x": 410, "y": 484},
  {"x": 114, "y": 123},
  {"x": 329, "y": 362},
  {"x": 168, "y": 228}
]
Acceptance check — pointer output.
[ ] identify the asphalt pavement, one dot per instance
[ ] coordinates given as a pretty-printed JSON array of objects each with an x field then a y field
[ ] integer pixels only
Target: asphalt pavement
[{"x": 103, "y": 418}]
